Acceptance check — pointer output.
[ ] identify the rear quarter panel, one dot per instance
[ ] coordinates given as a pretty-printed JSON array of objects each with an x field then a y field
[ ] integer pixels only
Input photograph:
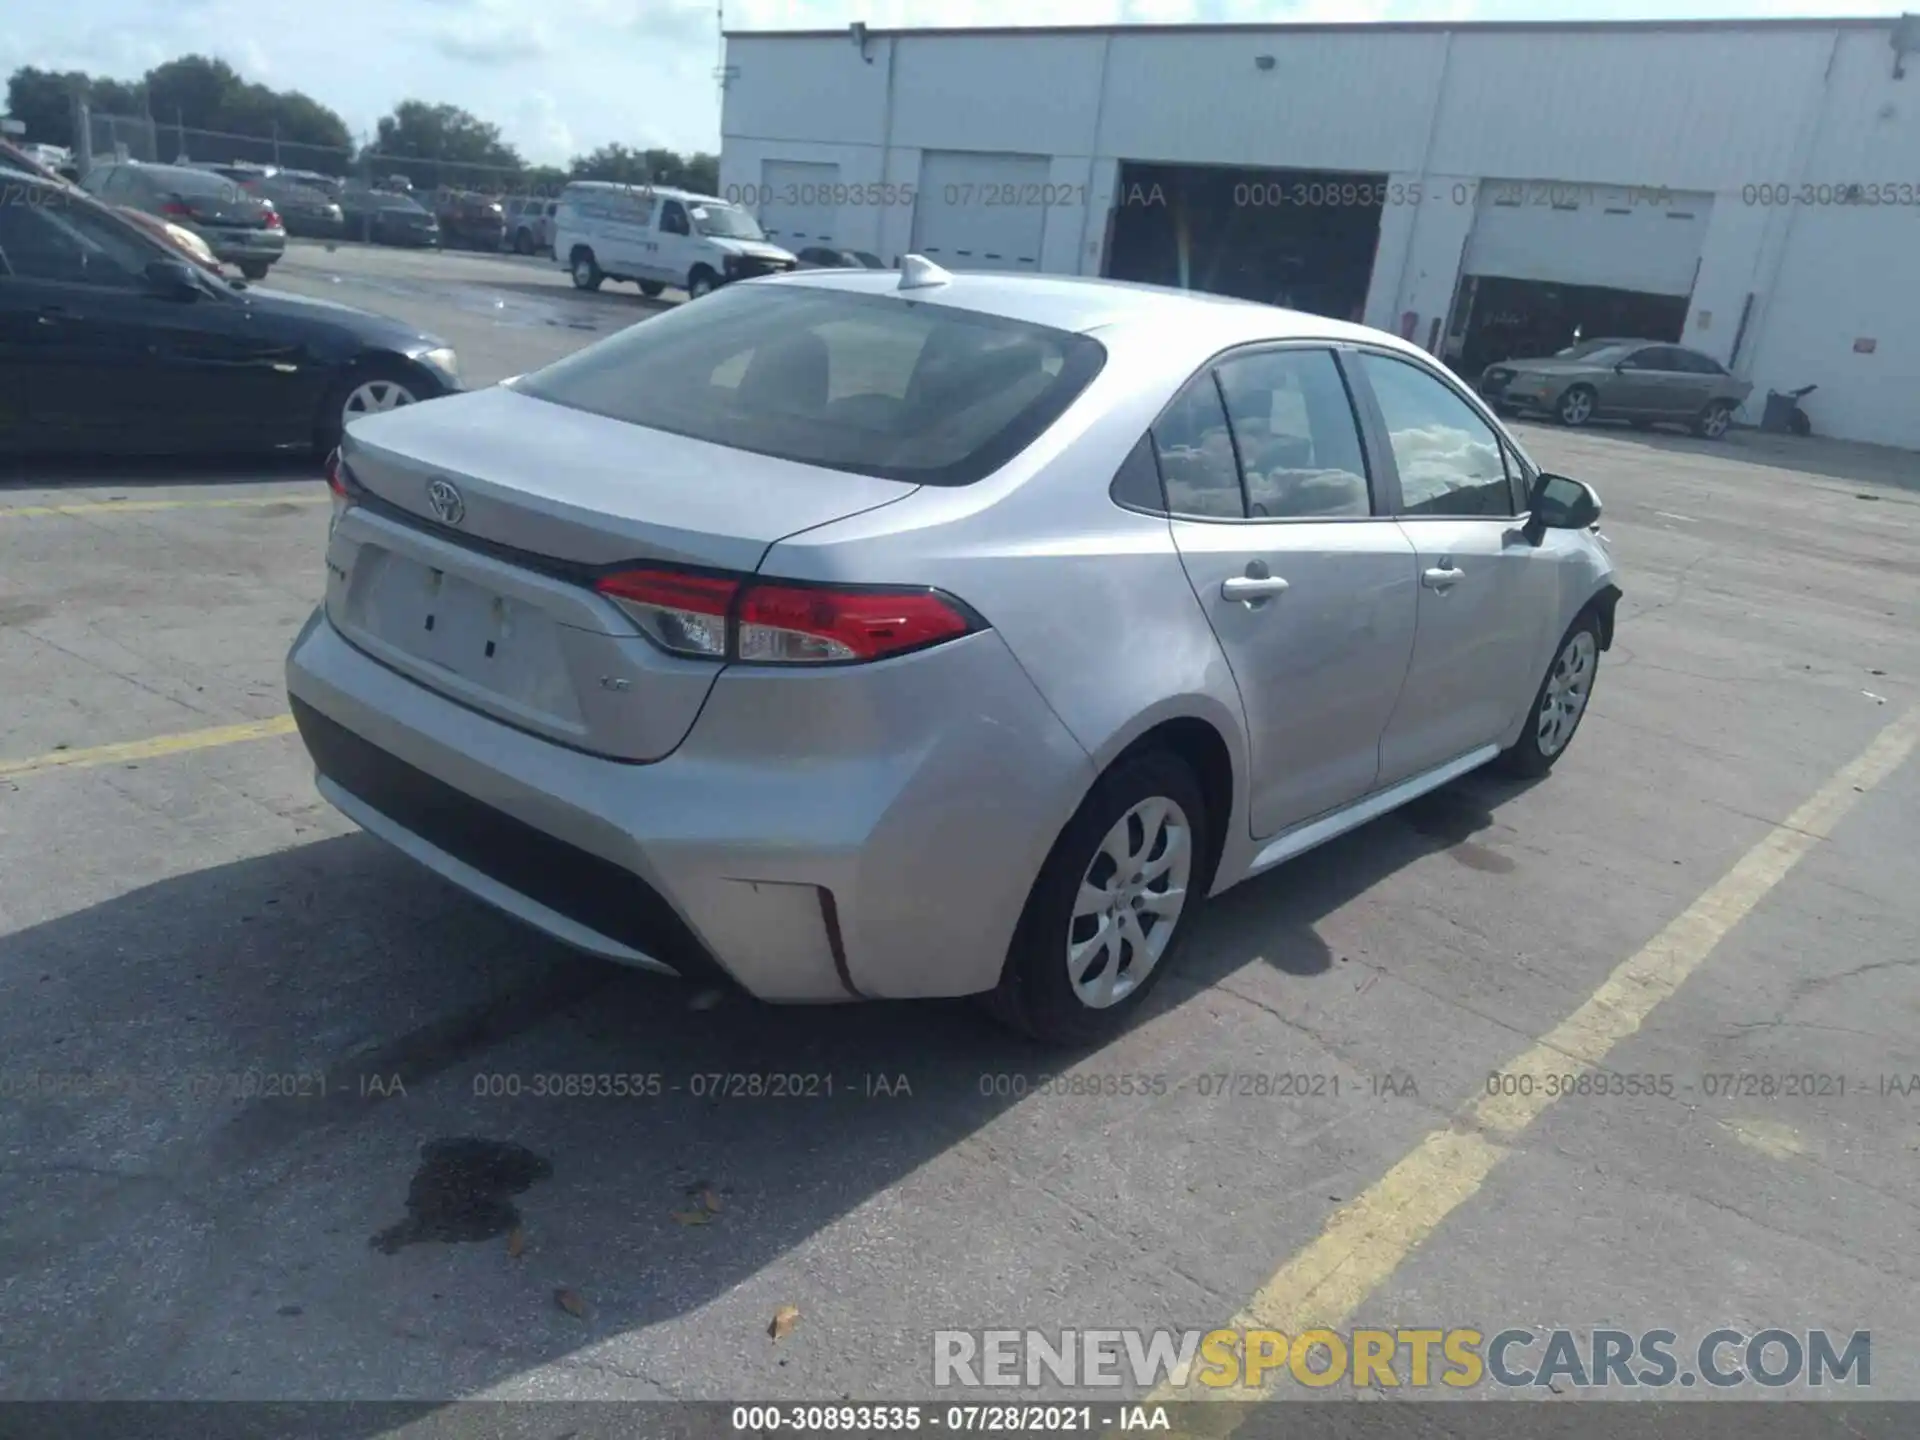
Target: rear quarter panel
[{"x": 1091, "y": 598}]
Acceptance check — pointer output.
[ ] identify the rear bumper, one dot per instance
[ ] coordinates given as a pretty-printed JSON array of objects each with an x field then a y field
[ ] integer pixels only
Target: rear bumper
[
  {"x": 229, "y": 247},
  {"x": 881, "y": 844}
]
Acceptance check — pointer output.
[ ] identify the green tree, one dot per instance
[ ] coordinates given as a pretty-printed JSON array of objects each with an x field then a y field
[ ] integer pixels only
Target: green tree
[
  {"x": 43, "y": 100},
  {"x": 697, "y": 172},
  {"x": 442, "y": 145}
]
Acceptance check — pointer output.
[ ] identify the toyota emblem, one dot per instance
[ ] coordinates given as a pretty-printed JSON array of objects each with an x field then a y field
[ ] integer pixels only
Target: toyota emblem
[{"x": 447, "y": 505}]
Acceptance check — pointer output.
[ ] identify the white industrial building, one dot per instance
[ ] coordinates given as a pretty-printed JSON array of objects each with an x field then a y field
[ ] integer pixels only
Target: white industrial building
[{"x": 1751, "y": 189}]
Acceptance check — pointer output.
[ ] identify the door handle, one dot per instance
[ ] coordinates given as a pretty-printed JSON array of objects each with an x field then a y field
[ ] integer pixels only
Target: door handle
[
  {"x": 1441, "y": 577},
  {"x": 1249, "y": 587}
]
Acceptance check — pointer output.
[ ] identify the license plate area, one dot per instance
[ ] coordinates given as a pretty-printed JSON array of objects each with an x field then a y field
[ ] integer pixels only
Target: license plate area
[{"x": 462, "y": 636}]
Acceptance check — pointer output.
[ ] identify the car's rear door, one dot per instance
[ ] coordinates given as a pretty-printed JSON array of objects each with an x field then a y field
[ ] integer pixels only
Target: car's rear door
[
  {"x": 1309, "y": 584},
  {"x": 1487, "y": 597}
]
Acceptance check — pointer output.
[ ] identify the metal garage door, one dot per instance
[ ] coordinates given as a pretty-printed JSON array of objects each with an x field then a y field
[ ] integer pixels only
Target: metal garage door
[
  {"x": 981, "y": 212},
  {"x": 1588, "y": 235},
  {"x": 796, "y": 203}
]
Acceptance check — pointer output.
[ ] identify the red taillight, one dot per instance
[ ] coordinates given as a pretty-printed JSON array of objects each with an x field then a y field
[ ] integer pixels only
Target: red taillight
[
  {"x": 783, "y": 624},
  {"x": 273, "y": 218},
  {"x": 174, "y": 207},
  {"x": 720, "y": 617},
  {"x": 335, "y": 481}
]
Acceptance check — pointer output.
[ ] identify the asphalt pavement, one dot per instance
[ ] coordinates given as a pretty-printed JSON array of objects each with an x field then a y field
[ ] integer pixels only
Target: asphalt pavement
[{"x": 239, "y": 1039}]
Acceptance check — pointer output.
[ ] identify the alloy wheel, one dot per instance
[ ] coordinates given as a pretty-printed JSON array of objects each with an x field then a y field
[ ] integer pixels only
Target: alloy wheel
[
  {"x": 1717, "y": 422},
  {"x": 1129, "y": 904},
  {"x": 1568, "y": 685},
  {"x": 374, "y": 397},
  {"x": 1577, "y": 408}
]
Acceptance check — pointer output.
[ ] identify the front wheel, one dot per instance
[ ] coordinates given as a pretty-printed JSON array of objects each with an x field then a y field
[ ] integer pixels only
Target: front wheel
[
  {"x": 1576, "y": 406},
  {"x": 1114, "y": 898},
  {"x": 369, "y": 389},
  {"x": 1559, "y": 703},
  {"x": 1714, "y": 421},
  {"x": 586, "y": 273},
  {"x": 701, "y": 282}
]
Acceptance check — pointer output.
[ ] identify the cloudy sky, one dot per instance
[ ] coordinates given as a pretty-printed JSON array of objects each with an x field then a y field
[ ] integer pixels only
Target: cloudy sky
[{"x": 561, "y": 76}]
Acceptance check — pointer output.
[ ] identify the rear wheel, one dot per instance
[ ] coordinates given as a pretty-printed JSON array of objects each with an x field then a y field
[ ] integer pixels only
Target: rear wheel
[
  {"x": 1560, "y": 702},
  {"x": 1115, "y": 897},
  {"x": 587, "y": 274},
  {"x": 651, "y": 288},
  {"x": 1576, "y": 406},
  {"x": 523, "y": 241},
  {"x": 255, "y": 269},
  {"x": 1714, "y": 421}
]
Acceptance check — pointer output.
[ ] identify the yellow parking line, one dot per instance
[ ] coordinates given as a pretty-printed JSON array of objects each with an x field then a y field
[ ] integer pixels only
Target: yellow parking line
[
  {"x": 98, "y": 507},
  {"x": 132, "y": 750},
  {"x": 1325, "y": 1284}
]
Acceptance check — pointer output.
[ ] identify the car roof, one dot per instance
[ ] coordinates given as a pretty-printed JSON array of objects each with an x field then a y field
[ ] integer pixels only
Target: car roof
[
  {"x": 669, "y": 192},
  {"x": 1084, "y": 303}
]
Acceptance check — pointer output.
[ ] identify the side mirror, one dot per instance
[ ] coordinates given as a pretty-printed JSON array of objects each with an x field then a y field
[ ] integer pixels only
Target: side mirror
[
  {"x": 173, "y": 280},
  {"x": 1559, "y": 502}
]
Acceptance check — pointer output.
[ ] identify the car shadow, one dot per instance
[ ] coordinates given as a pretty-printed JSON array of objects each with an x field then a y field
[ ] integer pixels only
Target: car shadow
[{"x": 332, "y": 960}]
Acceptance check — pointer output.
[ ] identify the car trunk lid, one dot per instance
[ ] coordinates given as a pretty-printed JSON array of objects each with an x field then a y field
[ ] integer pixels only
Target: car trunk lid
[{"x": 487, "y": 517}]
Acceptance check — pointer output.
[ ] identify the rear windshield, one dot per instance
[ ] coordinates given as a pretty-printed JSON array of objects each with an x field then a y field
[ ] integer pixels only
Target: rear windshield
[
  {"x": 198, "y": 182},
  {"x": 874, "y": 384}
]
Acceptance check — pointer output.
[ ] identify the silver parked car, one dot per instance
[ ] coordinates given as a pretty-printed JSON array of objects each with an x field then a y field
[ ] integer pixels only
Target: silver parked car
[
  {"x": 1642, "y": 381},
  {"x": 861, "y": 634}
]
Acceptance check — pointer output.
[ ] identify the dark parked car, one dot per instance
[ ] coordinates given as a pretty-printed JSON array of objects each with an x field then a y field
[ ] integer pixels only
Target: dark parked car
[
  {"x": 239, "y": 228},
  {"x": 471, "y": 220},
  {"x": 386, "y": 218},
  {"x": 1642, "y": 381},
  {"x": 824, "y": 257},
  {"x": 112, "y": 340},
  {"x": 304, "y": 210}
]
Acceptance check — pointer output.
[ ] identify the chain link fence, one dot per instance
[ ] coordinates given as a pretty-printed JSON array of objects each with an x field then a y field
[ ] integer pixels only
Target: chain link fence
[{"x": 143, "y": 137}]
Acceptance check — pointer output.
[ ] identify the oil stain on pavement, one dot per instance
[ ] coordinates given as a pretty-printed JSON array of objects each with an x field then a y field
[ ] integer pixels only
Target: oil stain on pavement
[{"x": 462, "y": 1190}]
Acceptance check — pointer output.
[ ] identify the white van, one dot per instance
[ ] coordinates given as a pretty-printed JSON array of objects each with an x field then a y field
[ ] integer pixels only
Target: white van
[{"x": 657, "y": 237}]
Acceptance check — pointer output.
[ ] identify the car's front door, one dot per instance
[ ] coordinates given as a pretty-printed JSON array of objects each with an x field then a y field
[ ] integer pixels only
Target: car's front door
[
  {"x": 1641, "y": 385},
  {"x": 1487, "y": 596},
  {"x": 675, "y": 247},
  {"x": 1310, "y": 585},
  {"x": 76, "y": 364}
]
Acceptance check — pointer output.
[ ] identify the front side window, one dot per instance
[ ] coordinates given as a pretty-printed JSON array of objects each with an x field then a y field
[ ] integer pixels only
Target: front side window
[
  {"x": 1451, "y": 462},
  {"x": 1298, "y": 441},
  {"x": 1194, "y": 445},
  {"x": 58, "y": 240},
  {"x": 673, "y": 219},
  {"x": 872, "y": 384}
]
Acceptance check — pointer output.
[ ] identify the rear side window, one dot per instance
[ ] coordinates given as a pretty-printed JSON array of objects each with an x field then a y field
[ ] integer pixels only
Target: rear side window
[
  {"x": 877, "y": 385},
  {"x": 1298, "y": 441}
]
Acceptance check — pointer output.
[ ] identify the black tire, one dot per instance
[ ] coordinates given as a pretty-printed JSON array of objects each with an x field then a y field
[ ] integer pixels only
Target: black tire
[
  {"x": 1524, "y": 758},
  {"x": 652, "y": 288},
  {"x": 701, "y": 282},
  {"x": 523, "y": 242},
  {"x": 1713, "y": 422},
  {"x": 1035, "y": 994},
  {"x": 1799, "y": 424},
  {"x": 587, "y": 273},
  {"x": 332, "y": 417},
  {"x": 255, "y": 269},
  {"x": 1570, "y": 410}
]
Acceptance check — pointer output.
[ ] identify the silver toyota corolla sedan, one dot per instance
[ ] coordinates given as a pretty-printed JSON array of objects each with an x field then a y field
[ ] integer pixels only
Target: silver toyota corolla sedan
[{"x": 859, "y": 634}]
